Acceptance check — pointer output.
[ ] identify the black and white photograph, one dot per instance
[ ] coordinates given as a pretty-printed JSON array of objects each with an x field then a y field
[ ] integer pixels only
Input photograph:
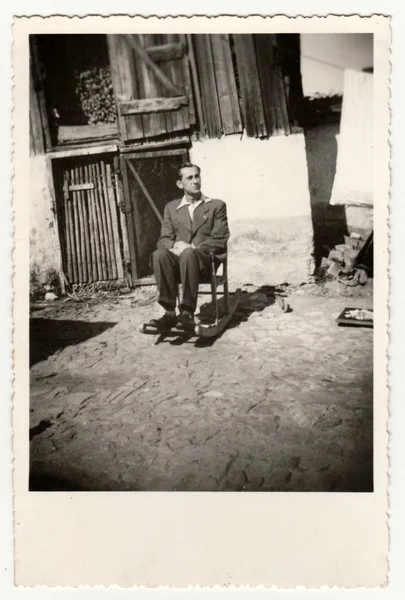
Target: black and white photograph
[
  {"x": 201, "y": 262},
  {"x": 201, "y": 287}
]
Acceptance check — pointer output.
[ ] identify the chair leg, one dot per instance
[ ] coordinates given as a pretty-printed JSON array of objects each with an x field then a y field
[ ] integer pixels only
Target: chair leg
[
  {"x": 226, "y": 296},
  {"x": 214, "y": 290}
]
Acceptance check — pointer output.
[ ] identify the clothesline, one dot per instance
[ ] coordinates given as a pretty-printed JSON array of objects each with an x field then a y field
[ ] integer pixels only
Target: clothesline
[{"x": 324, "y": 62}]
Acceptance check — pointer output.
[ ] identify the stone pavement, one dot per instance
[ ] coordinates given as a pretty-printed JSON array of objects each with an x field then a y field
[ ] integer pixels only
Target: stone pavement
[{"x": 280, "y": 402}]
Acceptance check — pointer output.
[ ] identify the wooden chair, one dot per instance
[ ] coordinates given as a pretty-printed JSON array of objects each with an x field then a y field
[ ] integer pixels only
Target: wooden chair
[
  {"x": 217, "y": 280},
  {"x": 220, "y": 322}
]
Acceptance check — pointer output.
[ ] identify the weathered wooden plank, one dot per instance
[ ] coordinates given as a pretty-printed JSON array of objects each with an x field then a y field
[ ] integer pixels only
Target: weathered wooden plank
[
  {"x": 165, "y": 66},
  {"x": 84, "y": 203},
  {"x": 132, "y": 219},
  {"x": 94, "y": 248},
  {"x": 149, "y": 87},
  {"x": 152, "y": 105},
  {"x": 181, "y": 118},
  {"x": 164, "y": 52},
  {"x": 192, "y": 64},
  {"x": 35, "y": 119},
  {"x": 68, "y": 229},
  {"x": 205, "y": 65},
  {"x": 121, "y": 207},
  {"x": 156, "y": 153},
  {"x": 39, "y": 88},
  {"x": 114, "y": 222},
  {"x": 103, "y": 220},
  {"x": 143, "y": 56},
  {"x": 288, "y": 46},
  {"x": 187, "y": 82},
  {"x": 98, "y": 226},
  {"x": 77, "y": 246},
  {"x": 272, "y": 84},
  {"x": 123, "y": 75},
  {"x": 110, "y": 233},
  {"x": 87, "y": 151},
  {"x": 80, "y": 186},
  {"x": 226, "y": 84},
  {"x": 83, "y": 247},
  {"x": 77, "y": 133},
  {"x": 252, "y": 102},
  {"x": 183, "y": 141}
]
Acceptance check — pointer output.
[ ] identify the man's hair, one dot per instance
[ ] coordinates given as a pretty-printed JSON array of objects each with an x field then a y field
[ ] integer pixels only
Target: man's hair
[{"x": 186, "y": 165}]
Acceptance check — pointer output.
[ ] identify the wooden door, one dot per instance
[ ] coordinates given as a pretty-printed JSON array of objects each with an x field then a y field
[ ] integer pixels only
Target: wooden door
[
  {"x": 149, "y": 183},
  {"x": 89, "y": 219},
  {"x": 152, "y": 85}
]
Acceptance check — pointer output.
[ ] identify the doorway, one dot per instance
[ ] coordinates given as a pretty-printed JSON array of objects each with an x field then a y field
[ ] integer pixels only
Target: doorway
[{"x": 149, "y": 183}]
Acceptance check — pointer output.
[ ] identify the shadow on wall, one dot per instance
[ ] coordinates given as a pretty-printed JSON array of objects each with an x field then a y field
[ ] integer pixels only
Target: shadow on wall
[{"x": 329, "y": 222}]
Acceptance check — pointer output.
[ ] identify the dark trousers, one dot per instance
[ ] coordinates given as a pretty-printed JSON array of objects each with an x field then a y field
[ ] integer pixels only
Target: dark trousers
[{"x": 189, "y": 269}]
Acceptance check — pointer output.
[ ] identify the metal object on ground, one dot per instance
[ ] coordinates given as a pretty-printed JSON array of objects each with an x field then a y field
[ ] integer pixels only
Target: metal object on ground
[{"x": 356, "y": 317}]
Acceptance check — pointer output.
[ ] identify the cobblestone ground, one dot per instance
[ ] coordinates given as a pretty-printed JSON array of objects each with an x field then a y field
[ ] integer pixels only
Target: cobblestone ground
[{"x": 280, "y": 402}]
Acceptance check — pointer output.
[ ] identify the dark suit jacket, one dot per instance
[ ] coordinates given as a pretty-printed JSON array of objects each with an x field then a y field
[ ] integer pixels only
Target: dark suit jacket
[{"x": 209, "y": 230}]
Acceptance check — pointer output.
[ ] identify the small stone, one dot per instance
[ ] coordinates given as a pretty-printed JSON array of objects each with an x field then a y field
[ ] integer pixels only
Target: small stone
[
  {"x": 126, "y": 301},
  {"x": 213, "y": 394},
  {"x": 50, "y": 297}
]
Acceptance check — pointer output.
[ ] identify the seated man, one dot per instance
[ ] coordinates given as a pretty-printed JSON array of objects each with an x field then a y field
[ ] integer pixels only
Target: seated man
[{"x": 192, "y": 228}]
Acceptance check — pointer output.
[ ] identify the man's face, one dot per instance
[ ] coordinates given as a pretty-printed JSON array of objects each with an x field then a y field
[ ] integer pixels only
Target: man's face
[{"x": 190, "y": 181}]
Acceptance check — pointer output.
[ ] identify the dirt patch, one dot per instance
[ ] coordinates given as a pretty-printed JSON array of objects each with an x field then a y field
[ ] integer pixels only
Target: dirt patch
[{"x": 280, "y": 402}]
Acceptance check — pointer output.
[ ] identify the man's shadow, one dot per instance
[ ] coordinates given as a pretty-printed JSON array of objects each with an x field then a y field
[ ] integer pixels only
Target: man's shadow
[{"x": 249, "y": 303}]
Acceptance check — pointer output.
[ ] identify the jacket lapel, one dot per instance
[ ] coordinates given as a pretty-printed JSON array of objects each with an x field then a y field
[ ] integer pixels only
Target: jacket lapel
[
  {"x": 200, "y": 216},
  {"x": 184, "y": 217}
]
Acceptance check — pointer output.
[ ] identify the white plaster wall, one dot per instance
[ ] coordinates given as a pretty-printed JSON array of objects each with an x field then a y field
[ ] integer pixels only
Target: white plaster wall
[
  {"x": 261, "y": 179},
  {"x": 265, "y": 186},
  {"x": 44, "y": 248}
]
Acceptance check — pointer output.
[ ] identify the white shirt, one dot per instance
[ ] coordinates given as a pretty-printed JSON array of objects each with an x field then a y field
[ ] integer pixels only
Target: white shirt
[{"x": 192, "y": 205}]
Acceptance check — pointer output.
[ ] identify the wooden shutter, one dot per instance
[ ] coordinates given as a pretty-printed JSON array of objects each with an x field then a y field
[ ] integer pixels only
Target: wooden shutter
[
  {"x": 272, "y": 84},
  {"x": 249, "y": 81},
  {"x": 226, "y": 84},
  {"x": 206, "y": 72},
  {"x": 219, "y": 95},
  {"x": 152, "y": 85}
]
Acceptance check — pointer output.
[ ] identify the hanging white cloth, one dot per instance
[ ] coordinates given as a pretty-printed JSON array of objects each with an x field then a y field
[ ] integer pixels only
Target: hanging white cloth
[{"x": 353, "y": 183}]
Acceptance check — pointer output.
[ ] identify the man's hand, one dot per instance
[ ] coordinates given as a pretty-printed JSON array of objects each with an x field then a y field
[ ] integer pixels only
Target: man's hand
[{"x": 179, "y": 247}]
